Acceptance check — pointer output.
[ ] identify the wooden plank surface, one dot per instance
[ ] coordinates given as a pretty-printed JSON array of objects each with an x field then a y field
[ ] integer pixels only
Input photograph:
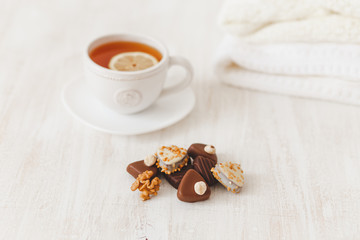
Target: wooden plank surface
[{"x": 62, "y": 180}]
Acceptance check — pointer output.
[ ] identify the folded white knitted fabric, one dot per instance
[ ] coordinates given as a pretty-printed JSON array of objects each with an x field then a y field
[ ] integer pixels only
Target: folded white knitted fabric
[
  {"x": 328, "y": 71},
  {"x": 264, "y": 21},
  {"x": 306, "y": 48}
]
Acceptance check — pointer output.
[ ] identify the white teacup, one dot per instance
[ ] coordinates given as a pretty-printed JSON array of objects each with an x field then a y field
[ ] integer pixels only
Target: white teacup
[{"x": 129, "y": 92}]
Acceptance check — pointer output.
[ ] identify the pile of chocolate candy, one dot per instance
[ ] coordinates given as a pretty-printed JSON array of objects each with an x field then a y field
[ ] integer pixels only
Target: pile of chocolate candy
[{"x": 190, "y": 171}]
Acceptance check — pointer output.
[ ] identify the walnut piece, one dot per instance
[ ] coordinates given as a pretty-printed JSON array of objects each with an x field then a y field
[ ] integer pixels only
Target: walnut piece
[{"x": 145, "y": 186}]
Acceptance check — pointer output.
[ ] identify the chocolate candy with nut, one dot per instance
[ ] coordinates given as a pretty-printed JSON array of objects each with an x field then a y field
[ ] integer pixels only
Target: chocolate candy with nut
[
  {"x": 193, "y": 188},
  {"x": 175, "y": 178},
  {"x": 171, "y": 159},
  {"x": 138, "y": 167},
  {"x": 230, "y": 175},
  {"x": 203, "y": 166},
  {"x": 199, "y": 149}
]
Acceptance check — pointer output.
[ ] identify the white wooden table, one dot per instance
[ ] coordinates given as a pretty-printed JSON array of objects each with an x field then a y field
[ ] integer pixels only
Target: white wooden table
[{"x": 62, "y": 180}]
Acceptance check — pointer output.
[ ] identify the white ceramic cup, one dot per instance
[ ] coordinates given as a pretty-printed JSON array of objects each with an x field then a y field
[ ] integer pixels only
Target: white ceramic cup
[{"x": 129, "y": 92}]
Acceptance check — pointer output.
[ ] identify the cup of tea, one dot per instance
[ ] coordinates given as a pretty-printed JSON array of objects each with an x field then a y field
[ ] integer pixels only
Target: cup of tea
[{"x": 127, "y": 72}]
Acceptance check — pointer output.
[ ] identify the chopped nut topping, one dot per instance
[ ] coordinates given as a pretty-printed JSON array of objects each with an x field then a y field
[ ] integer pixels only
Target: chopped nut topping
[{"x": 167, "y": 154}]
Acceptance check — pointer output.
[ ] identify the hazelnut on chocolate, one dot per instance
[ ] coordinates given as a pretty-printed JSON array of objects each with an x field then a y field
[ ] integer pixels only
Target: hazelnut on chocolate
[
  {"x": 204, "y": 150},
  {"x": 139, "y": 167},
  {"x": 193, "y": 188}
]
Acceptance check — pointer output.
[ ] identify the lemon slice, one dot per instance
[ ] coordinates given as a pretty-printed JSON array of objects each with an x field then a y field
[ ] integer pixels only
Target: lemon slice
[{"x": 132, "y": 61}]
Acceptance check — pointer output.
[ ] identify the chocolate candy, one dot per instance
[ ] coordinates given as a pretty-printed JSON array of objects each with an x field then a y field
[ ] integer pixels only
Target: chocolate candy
[
  {"x": 193, "y": 188},
  {"x": 230, "y": 175},
  {"x": 175, "y": 178},
  {"x": 203, "y": 166},
  {"x": 199, "y": 149},
  {"x": 171, "y": 159},
  {"x": 139, "y": 167}
]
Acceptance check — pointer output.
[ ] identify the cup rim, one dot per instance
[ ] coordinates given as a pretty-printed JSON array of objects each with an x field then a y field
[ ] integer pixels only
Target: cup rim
[{"x": 163, "y": 51}]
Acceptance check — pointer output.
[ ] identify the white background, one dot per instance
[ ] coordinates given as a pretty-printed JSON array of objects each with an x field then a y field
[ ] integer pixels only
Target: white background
[{"x": 62, "y": 180}]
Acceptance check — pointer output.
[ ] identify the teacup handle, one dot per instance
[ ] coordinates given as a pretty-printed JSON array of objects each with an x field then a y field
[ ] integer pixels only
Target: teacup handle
[{"x": 177, "y": 60}]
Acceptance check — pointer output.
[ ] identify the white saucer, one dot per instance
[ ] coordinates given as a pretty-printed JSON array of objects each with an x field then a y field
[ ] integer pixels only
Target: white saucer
[{"x": 163, "y": 113}]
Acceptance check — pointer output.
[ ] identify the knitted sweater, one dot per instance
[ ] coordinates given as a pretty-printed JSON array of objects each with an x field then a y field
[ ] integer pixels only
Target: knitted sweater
[{"x": 264, "y": 21}]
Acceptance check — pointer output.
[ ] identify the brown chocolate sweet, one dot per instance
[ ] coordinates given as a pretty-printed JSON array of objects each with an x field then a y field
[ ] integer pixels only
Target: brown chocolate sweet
[
  {"x": 193, "y": 188},
  {"x": 139, "y": 167},
  {"x": 175, "y": 178},
  {"x": 199, "y": 149},
  {"x": 203, "y": 166}
]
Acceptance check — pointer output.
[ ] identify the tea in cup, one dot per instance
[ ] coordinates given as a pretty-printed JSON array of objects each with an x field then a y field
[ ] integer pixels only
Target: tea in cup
[{"x": 127, "y": 72}]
